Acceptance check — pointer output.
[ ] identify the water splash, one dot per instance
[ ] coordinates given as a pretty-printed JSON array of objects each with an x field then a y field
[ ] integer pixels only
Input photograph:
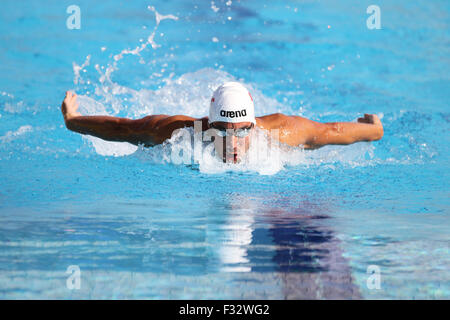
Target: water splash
[
  {"x": 110, "y": 92},
  {"x": 213, "y": 7},
  {"x": 106, "y": 76},
  {"x": 11, "y": 135},
  {"x": 77, "y": 69}
]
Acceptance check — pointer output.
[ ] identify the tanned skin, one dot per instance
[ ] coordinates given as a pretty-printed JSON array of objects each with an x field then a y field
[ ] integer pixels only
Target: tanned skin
[{"x": 155, "y": 129}]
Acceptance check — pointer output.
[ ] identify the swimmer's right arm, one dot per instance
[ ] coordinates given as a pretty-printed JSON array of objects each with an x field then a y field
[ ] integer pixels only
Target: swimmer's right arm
[{"x": 149, "y": 131}]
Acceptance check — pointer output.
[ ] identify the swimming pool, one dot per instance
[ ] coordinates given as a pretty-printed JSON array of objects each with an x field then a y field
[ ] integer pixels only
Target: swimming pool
[{"x": 309, "y": 224}]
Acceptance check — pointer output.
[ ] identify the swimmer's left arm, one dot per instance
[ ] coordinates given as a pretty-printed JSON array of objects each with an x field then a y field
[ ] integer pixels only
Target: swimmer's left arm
[
  {"x": 368, "y": 128},
  {"x": 296, "y": 130}
]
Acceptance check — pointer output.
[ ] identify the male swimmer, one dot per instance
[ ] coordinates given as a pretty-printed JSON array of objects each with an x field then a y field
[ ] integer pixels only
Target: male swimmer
[{"x": 232, "y": 118}]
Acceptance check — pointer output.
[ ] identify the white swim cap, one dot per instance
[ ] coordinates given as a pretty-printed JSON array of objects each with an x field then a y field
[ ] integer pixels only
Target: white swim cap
[{"x": 231, "y": 102}]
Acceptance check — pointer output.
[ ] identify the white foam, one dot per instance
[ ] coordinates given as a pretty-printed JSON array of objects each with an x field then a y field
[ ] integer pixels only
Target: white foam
[
  {"x": 110, "y": 148},
  {"x": 15, "y": 107},
  {"x": 11, "y": 135},
  {"x": 88, "y": 106}
]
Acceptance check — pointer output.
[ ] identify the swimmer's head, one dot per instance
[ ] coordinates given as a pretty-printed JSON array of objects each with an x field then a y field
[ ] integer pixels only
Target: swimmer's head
[
  {"x": 232, "y": 115},
  {"x": 231, "y": 102}
]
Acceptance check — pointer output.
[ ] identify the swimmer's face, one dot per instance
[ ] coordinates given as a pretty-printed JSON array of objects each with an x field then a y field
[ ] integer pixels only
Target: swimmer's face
[{"x": 232, "y": 140}]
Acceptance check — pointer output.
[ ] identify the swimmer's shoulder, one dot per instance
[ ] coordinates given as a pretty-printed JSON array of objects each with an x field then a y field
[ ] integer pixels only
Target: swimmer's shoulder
[
  {"x": 278, "y": 121},
  {"x": 179, "y": 121},
  {"x": 155, "y": 129},
  {"x": 293, "y": 130}
]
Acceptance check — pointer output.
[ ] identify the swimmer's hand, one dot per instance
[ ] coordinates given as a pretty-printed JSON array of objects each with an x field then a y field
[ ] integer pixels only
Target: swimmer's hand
[
  {"x": 69, "y": 106},
  {"x": 373, "y": 119}
]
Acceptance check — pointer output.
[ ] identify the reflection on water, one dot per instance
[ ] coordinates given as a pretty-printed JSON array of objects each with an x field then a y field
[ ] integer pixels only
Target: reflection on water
[
  {"x": 291, "y": 239},
  {"x": 236, "y": 238},
  {"x": 241, "y": 248}
]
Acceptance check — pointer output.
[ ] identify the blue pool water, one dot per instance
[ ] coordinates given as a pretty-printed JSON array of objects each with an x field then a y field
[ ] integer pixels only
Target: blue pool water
[{"x": 309, "y": 224}]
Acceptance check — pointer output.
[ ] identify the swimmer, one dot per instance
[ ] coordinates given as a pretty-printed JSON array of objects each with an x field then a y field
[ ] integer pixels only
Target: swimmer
[{"x": 232, "y": 118}]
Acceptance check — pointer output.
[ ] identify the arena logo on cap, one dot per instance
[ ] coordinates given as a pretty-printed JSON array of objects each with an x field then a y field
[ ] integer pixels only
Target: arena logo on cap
[{"x": 233, "y": 114}]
